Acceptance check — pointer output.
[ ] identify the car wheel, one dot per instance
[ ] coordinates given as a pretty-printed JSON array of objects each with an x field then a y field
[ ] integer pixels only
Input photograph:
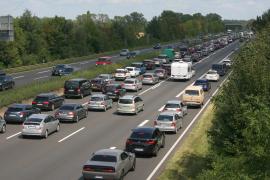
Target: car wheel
[
  {"x": 53, "y": 107},
  {"x": 122, "y": 175},
  {"x": 163, "y": 143},
  {"x": 58, "y": 128},
  {"x": 3, "y": 130},
  {"x": 46, "y": 134},
  {"x": 133, "y": 165},
  {"x": 155, "y": 152},
  {"x": 77, "y": 119}
]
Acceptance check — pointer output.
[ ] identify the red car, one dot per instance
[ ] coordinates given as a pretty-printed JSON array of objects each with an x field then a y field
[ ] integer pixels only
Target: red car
[{"x": 104, "y": 60}]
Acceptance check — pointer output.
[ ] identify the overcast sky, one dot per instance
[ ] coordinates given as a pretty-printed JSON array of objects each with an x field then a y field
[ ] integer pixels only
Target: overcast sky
[{"x": 228, "y": 9}]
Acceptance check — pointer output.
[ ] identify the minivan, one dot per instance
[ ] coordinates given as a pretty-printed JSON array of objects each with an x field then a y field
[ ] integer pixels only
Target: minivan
[
  {"x": 130, "y": 104},
  {"x": 193, "y": 96},
  {"x": 77, "y": 87}
]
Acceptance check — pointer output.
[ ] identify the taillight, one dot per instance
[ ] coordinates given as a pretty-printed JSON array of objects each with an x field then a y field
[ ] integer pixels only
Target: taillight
[
  {"x": 34, "y": 102},
  {"x": 56, "y": 114},
  {"x": 151, "y": 142},
  {"x": 46, "y": 102},
  {"x": 178, "y": 109},
  {"x": 129, "y": 142},
  {"x": 78, "y": 90},
  {"x": 87, "y": 168},
  {"x": 173, "y": 124},
  {"x": 116, "y": 91},
  {"x": 109, "y": 170},
  {"x": 71, "y": 113},
  {"x": 155, "y": 123},
  {"x": 22, "y": 114}
]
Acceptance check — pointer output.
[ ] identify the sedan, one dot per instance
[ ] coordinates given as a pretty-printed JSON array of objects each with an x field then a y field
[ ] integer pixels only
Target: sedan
[
  {"x": 145, "y": 141},
  {"x": 98, "y": 84},
  {"x": 204, "y": 83},
  {"x": 161, "y": 73},
  {"x": 100, "y": 102},
  {"x": 2, "y": 125},
  {"x": 212, "y": 75},
  {"x": 71, "y": 112},
  {"x": 114, "y": 91},
  {"x": 109, "y": 164},
  {"x": 169, "y": 121},
  {"x": 40, "y": 125},
  {"x": 176, "y": 106},
  {"x": 150, "y": 78},
  {"x": 132, "y": 84},
  {"x": 108, "y": 78}
]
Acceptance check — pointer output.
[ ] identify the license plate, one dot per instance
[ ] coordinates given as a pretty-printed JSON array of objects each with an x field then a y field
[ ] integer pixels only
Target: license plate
[
  {"x": 98, "y": 177},
  {"x": 138, "y": 149},
  {"x": 39, "y": 104},
  {"x": 12, "y": 115},
  {"x": 71, "y": 90},
  {"x": 31, "y": 127},
  {"x": 111, "y": 96}
]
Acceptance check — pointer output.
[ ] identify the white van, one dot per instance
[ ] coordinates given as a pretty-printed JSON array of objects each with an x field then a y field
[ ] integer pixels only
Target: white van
[{"x": 182, "y": 70}]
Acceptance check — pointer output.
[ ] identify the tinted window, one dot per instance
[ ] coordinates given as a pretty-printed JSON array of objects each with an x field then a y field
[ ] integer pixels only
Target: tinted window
[
  {"x": 104, "y": 158},
  {"x": 172, "y": 106},
  {"x": 165, "y": 118},
  {"x": 96, "y": 99},
  {"x": 130, "y": 69},
  {"x": 217, "y": 66},
  {"x": 199, "y": 82},
  {"x": 15, "y": 109},
  {"x": 66, "y": 107},
  {"x": 72, "y": 84},
  {"x": 120, "y": 71},
  {"x": 110, "y": 88},
  {"x": 125, "y": 101},
  {"x": 33, "y": 120},
  {"x": 192, "y": 92},
  {"x": 42, "y": 98},
  {"x": 141, "y": 135},
  {"x": 129, "y": 82}
]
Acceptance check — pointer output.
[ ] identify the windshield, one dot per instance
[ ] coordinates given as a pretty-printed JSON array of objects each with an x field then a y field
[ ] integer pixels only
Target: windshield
[
  {"x": 170, "y": 105},
  {"x": 103, "y": 59},
  {"x": 60, "y": 66},
  {"x": 71, "y": 84},
  {"x": 192, "y": 92},
  {"x": 165, "y": 118},
  {"x": 96, "y": 98},
  {"x": 141, "y": 135},
  {"x": 216, "y": 66},
  {"x": 125, "y": 101},
  {"x": 67, "y": 107},
  {"x": 104, "y": 158},
  {"x": 14, "y": 109}
]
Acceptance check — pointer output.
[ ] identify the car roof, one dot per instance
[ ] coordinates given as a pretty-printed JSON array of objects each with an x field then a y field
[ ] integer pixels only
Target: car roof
[
  {"x": 113, "y": 84},
  {"x": 128, "y": 97},
  {"x": 77, "y": 79},
  {"x": 107, "y": 57},
  {"x": 130, "y": 79},
  {"x": 144, "y": 129},
  {"x": 168, "y": 113},
  {"x": 39, "y": 116},
  {"x": 149, "y": 73},
  {"x": 112, "y": 152},
  {"x": 173, "y": 102},
  {"x": 46, "y": 94},
  {"x": 120, "y": 69}
]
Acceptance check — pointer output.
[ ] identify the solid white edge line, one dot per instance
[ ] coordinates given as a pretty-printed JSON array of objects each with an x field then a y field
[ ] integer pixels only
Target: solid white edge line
[
  {"x": 43, "y": 72},
  {"x": 61, "y": 140},
  {"x": 143, "y": 123},
  {"x": 13, "y": 135},
  {"x": 184, "y": 132},
  {"x": 41, "y": 77},
  {"x": 18, "y": 77},
  {"x": 160, "y": 109}
]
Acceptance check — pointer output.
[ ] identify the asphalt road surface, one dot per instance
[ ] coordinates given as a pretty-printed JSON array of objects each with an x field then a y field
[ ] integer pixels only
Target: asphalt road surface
[{"x": 62, "y": 155}]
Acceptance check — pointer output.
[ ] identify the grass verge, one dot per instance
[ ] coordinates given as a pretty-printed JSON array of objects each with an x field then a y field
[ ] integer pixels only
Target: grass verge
[{"x": 191, "y": 158}]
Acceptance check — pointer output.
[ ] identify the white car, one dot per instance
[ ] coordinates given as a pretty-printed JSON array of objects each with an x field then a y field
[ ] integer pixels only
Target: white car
[
  {"x": 212, "y": 75},
  {"x": 132, "y": 84},
  {"x": 134, "y": 72},
  {"x": 228, "y": 62},
  {"x": 121, "y": 74}
]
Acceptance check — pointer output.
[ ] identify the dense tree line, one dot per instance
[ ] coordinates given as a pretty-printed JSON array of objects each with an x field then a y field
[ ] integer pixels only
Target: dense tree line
[
  {"x": 240, "y": 135},
  {"x": 46, "y": 39}
]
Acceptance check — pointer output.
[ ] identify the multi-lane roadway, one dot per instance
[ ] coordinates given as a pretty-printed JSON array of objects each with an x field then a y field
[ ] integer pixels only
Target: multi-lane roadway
[{"x": 61, "y": 156}]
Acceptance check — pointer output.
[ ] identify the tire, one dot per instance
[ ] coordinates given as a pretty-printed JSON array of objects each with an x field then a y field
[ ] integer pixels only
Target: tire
[
  {"x": 163, "y": 143},
  {"x": 53, "y": 107},
  {"x": 58, "y": 128},
  {"x": 46, "y": 134},
  {"x": 133, "y": 165},
  {"x": 3, "y": 130},
  {"x": 122, "y": 175},
  {"x": 105, "y": 109},
  {"x": 155, "y": 152},
  {"x": 77, "y": 119}
]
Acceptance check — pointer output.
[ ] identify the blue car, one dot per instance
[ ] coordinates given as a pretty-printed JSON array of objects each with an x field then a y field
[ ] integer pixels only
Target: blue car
[
  {"x": 139, "y": 65},
  {"x": 204, "y": 83}
]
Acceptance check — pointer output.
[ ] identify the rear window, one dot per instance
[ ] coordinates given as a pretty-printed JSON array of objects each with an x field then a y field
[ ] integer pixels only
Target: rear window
[
  {"x": 66, "y": 107},
  {"x": 147, "y": 76},
  {"x": 129, "y": 82},
  {"x": 130, "y": 69},
  {"x": 14, "y": 109},
  {"x": 33, "y": 120},
  {"x": 120, "y": 71},
  {"x": 96, "y": 99},
  {"x": 103, "y": 59},
  {"x": 217, "y": 66},
  {"x": 110, "y": 88},
  {"x": 136, "y": 65},
  {"x": 71, "y": 84},
  {"x": 172, "y": 106},
  {"x": 211, "y": 72},
  {"x": 104, "y": 158},
  {"x": 96, "y": 81},
  {"x": 125, "y": 101},
  {"x": 42, "y": 98},
  {"x": 165, "y": 118},
  {"x": 141, "y": 135},
  {"x": 192, "y": 92}
]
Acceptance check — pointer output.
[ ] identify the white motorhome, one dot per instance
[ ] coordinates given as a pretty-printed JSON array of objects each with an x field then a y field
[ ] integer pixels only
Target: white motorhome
[{"x": 181, "y": 70}]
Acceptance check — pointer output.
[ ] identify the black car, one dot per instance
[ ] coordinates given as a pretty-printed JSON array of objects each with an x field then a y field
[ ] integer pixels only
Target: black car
[
  {"x": 61, "y": 70},
  {"x": 114, "y": 91},
  {"x": 77, "y": 88},
  {"x": 145, "y": 141},
  {"x": 18, "y": 113},
  {"x": 167, "y": 67},
  {"x": 157, "y": 46},
  {"x": 98, "y": 84},
  {"x": 6, "y": 82},
  {"x": 47, "y": 101},
  {"x": 204, "y": 83}
]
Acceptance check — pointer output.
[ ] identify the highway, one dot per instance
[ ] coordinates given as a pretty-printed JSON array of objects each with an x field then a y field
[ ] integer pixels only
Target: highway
[{"x": 62, "y": 155}]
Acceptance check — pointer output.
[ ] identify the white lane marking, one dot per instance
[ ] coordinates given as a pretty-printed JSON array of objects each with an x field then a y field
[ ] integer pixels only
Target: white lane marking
[
  {"x": 61, "y": 140},
  {"x": 18, "y": 77},
  {"x": 84, "y": 62},
  {"x": 84, "y": 104},
  {"x": 152, "y": 87},
  {"x": 113, "y": 147},
  {"x": 13, "y": 135},
  {"x": 43, "y": 72},
  {"x": 160, "y": 109},
  {"x": 41, "y": 77},
  {"x": 184, "y": 132},
  {"x": 143, "y": 123}
]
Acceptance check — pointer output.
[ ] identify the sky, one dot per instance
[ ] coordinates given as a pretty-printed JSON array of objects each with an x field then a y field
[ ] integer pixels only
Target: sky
[{"x": 227, "y": 9}]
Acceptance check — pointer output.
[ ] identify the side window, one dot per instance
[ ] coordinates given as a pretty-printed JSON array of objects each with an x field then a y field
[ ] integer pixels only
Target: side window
[
  {"x": 139, "y": 99},
  {"x": 47, "y": 119},
  {"x": 52, "y": 118},
  {"x": 124, "y": 156},
  {"x": 28, "y": 108}
]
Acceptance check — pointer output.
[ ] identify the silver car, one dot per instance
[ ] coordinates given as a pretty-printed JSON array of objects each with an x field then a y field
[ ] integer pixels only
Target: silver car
[
  {"x": 169, "y": 121},
  {"x": 150, "y": 78},
  {"x": 107, "y": 77},
  {"x": 133, "y": 84},
  {"x": 71, "y": 112},
  {"x": 100, "y": 102},
  {"x": 2, "y": 125},
  {"x": 40, "y": 125},
  {"x": 130, "y": 104},
  {"x": 109, "y": 164},
  {"x": 176, "y": 106}
]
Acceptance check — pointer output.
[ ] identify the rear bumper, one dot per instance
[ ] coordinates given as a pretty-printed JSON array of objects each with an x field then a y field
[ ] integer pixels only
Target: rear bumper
[
  {"x": 99, "y": 175},
  {"x": 166, "y": 129}
]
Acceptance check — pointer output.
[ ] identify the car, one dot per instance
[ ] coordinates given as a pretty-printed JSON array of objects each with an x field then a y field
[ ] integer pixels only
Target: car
[
  {"x": 187, "y": 58},
  {"x": 114, "y": 91},
  {"x": 40, "y": 125},
  {"x": 161, "y": 73},
  {"x": 150, "y": 78},
  {"x": 78, "y": 87},
  {"x": 212, "y": 75},
  {"x": 221, "y": 68},
  {"x": 157, "y": 46},
  {"x": 164, "y": 58},
  {"x": 169, "y": 121},
  {"x": 132, "y": 84},
  {"x": 193, "y": 96},
  {"x": 47, "y": 101},
  {"x": 133, "y": 71},
  {"x": 107, "y": 77},
  {"x": 124, "y": 52},
  {"x": 121, "y": 74},
  {"x": 145, "y": 141},
  {"x": 167, "y": 67},
  {"x": 106, "y": 60},
  {"x": 228, "y": 62},
  {"x": 204, "y": 83},
  {"x": 3, "y": 126},
  {"x": 130, "y": 104},
  {"x": 100, "y": 102},
  {"x": 6, "y": 82},
  {"x": 98, "y": 84},
  {"x": 2, "y": 73},
  {"x": 140, "y": 66},
  {"x": 176, "y": 106},
  {"x": 131, "y": 54},
  {"x": 158, "y": 62},
  {"x": 109, "y": 164},
  {"x": 71, "y": 112},
  {"x": 149, "y": 64},
  {"x": 62, "y": 69},
  {"x": 17, "y": 113}
]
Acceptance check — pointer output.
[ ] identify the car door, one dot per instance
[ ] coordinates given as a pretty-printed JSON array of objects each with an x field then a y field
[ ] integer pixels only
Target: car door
[
  {"x": 125, "y": 161},
  {"x": 159, "y": 137},
  {"x": 139, "y": 103},
  {"x": 108, "y": 101},
  {"x": 53, "y": 123},
  {"x": 48, "y": 124}
]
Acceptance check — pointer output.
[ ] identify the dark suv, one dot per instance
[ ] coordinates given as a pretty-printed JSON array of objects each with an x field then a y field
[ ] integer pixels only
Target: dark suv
[
  {"x": 145, "y": 141},
  {"x": 149, "y": 64},
  {"x": 77, "y": 88},
  {"x": 114, "y": 91},
  {"x": 98, "y": 84},
  {"x": 6, "y": 82},
  {"x": 18, "y": 113},
  {"x": 61, "y": 70},
  {"x": 47, "y": 101}
]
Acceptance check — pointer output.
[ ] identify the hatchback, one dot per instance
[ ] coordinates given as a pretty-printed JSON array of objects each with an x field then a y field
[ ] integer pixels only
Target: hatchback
[
  {"x": 145, "y": 141},
  {"x": 114, "y": 91},
  {"x": 100, "y": 102},
  {"x": 104, "y": 61},
  {"x": 176, "y": 106},
  {"x": 40, "y": 125},
  {"x": 132, "y": 84},
  {"x": 71, "y": 112},
  {"x": 121, "y": 74},
  {"x": 169, "y": 121},
  {"x": 130, "y": 104},
  {"x": 150, "y": 78}
]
